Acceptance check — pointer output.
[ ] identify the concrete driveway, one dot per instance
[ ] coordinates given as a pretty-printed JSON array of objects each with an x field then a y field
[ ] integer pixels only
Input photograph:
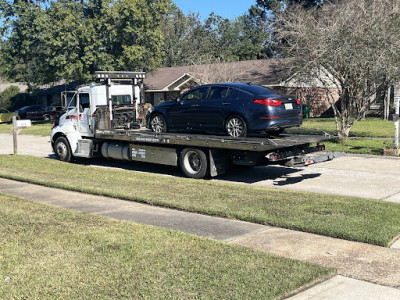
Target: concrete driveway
[
  {"x": 372, "y": 177},
  {"x": 353, "y": 175}
]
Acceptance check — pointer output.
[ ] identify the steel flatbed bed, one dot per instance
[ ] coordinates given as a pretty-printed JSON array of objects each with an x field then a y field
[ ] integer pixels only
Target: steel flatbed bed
[{"x": 259, "y": 144}]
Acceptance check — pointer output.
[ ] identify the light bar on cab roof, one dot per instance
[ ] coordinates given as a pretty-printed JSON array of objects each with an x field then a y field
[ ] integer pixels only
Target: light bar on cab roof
[{"x": 119, "y": 75}]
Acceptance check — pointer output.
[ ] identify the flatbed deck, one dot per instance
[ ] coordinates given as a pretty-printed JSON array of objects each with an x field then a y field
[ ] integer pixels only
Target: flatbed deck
[{"x": 146, "y": 136}]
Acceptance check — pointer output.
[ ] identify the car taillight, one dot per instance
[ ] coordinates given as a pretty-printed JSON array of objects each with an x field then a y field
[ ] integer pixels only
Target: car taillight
[
  {"x": 267, "y": 102},
  {"x": 298, "y": 101}
]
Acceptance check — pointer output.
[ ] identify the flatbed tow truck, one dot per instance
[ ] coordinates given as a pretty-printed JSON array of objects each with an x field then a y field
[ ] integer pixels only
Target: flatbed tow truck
[{"x": 101, "y": 120}]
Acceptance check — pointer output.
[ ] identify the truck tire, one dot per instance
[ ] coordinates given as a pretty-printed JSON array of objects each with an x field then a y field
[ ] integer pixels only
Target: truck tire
[
  {"x": 63, "y": 150},
  {"x": 194, "y": 163}
]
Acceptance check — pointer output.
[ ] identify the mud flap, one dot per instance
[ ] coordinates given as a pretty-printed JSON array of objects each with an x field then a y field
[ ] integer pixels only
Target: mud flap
[{"x": 218, "y": 162}]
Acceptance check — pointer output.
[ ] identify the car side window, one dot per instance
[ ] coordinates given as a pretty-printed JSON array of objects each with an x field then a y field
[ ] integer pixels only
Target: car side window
[
  {"x": 223, "y": 93},
  {"x": 197, "y": 94},
  {"x": 218, "y": 92}
]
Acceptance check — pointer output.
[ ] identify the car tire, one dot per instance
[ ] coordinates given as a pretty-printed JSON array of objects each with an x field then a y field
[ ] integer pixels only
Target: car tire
[
  {"x": 158, "y": 124},
  {"x": 194, "y": 163},
  {"x": 235, "y": 126},
  {"x": 63, "y": 150}
]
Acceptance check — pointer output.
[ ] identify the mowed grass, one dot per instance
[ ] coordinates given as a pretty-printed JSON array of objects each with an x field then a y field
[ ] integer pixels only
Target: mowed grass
[
  {"x": 38, "y": 128},
  {"x": 370, "y": 127},
  {"x": 369, "y": 136},
  {"x": 360, "y": 146},
  {"x": 364, "y": 220},
  {"x": 52, "y": 253}
]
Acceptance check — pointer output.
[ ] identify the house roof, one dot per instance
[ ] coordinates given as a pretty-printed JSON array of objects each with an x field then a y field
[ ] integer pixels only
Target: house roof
[{"x": 263, "y": 72}]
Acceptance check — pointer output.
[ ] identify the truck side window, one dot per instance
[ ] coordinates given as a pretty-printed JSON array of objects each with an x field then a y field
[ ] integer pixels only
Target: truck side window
[{"x": 84, "y": 101}]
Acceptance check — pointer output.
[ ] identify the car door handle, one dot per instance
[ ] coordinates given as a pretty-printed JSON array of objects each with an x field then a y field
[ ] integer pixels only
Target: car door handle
[
  {"x": 195, "y": 105},
  {"x": 225, "y": 103}
]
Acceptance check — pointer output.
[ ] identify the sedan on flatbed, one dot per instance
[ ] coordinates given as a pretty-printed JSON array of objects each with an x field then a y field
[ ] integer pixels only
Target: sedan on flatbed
[{"x": 234, "y": 109}]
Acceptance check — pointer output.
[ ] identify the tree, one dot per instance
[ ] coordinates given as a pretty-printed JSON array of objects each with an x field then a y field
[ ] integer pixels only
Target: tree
[
  {"x": 6, "y": 95},
  {"x": 185, "y": 38},
  {"x": 22, "y": 52},
  {"x": 43, "y": 42},
  {"x": 351, "y": 45}
]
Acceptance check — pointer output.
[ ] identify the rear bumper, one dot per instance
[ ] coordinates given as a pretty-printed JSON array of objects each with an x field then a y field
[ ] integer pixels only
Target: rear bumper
[{"x": 276, "y": 124}]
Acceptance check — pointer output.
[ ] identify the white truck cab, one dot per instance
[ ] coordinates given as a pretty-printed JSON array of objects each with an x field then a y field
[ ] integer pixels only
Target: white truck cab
[{"x": 119, "y": 92}]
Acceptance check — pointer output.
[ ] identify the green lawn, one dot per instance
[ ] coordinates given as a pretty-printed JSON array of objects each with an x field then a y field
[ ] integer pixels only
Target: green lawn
[
  {"x": 369, "y": 136},
  {"x": 364, "y": 220},
  {"x": 38, "y": 128},
  {"x": 52, "y": 253},
  {"x": 360, "y": 146},
  {"x": 370, "y": 127}
]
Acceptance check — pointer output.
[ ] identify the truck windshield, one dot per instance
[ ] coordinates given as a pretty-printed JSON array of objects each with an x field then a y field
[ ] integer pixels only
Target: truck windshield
[{"x": 68, "y": 100}]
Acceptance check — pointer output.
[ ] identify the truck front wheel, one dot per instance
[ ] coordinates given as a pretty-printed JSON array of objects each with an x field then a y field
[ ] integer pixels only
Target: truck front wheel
[
  {"x": 194, "y": 163},
  {"x": 62, "y": 149}
]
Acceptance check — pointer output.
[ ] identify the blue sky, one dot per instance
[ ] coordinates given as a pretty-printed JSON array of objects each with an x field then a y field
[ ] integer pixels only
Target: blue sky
[{"x": 226, "y": 8}]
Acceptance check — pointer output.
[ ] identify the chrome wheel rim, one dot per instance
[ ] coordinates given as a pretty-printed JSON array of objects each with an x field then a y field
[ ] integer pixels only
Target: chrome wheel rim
[
  {"x": 235, "y": 127},
  {"x": 158, "y": 124},
  {"x": 61, "y": 150},
  {"x": 192, "y": 162}
]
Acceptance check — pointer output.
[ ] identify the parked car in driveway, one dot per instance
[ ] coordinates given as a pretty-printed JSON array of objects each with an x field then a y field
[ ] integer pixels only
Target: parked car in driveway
[
  {"x": 234, "y": 109},
  {"x": 49, "y": 113},
  {"x": 24, "y": 110},
  {"x": 6, "y": 116}
]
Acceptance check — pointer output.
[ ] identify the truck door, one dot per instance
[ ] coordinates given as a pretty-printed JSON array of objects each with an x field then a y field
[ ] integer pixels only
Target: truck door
[{"x": 84, "y": 115}]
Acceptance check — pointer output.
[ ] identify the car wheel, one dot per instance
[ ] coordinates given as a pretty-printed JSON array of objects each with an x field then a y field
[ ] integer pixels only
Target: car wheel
[
  {"x": 194, "y": 163},
  {"x": 62, "y": 149},
  {"x": 235, "y": 126},
  {"x": 158, "y": 124}
]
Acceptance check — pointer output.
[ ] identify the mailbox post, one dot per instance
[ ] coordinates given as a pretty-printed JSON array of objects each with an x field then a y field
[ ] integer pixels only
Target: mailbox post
[
  {"x": 18, "y": 125},
  {"x": 397, "y": 112}
]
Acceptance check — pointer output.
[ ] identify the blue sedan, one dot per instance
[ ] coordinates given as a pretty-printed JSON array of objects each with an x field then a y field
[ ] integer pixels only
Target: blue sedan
[{"x": 234, "y": 109}]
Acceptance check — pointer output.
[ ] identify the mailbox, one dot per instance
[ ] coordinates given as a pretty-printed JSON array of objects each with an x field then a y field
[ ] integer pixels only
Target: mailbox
[{"x": 394, "y": 117}]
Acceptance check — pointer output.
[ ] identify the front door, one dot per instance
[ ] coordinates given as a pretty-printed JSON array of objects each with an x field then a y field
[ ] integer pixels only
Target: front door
[{"x": 186, "y": 114}]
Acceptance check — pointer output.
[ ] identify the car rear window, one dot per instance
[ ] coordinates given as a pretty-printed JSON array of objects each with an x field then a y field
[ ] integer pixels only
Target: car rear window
[{"x": 256, "y": 89}]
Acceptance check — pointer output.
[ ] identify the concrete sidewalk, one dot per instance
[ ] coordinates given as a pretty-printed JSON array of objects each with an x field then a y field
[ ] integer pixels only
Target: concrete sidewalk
[{"x": 364, "y": 271}]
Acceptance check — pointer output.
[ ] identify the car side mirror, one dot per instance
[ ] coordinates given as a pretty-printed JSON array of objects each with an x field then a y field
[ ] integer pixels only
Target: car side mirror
[{"x": 178, "y": 99}]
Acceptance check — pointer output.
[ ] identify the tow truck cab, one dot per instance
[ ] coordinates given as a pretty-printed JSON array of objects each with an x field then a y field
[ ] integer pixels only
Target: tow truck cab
[{"x": 119, "y": 94}]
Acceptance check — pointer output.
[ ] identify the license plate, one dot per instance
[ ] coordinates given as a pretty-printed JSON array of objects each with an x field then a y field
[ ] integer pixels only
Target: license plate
[{"x": 288, "y": 106}]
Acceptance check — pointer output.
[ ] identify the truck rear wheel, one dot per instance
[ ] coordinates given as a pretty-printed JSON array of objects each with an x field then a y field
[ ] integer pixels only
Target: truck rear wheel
[
  {"x": 62, "y": 149},
  {"x": 194, "y": 163}
]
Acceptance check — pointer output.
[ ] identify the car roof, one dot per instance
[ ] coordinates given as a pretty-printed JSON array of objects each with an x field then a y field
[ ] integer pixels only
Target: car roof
[{"x": 248, "y": 87}]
